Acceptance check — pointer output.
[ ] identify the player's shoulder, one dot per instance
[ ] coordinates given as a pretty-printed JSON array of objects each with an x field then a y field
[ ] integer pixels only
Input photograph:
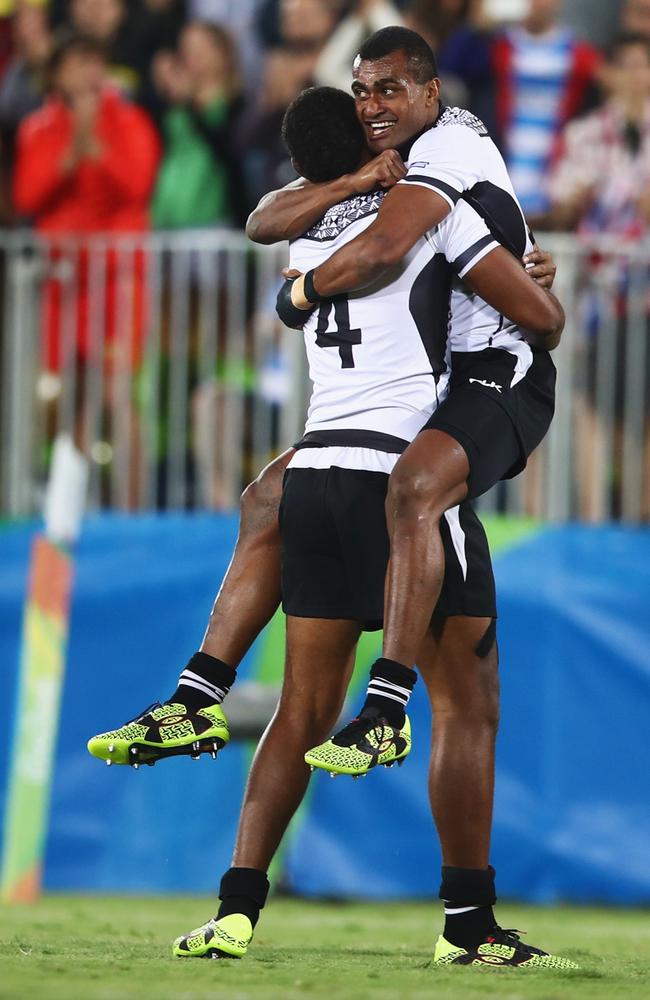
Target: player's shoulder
[
  {"x": 341, "y": 216},
  {"x": 453, "y": 124},
  {"x": 463, "y": 119}
]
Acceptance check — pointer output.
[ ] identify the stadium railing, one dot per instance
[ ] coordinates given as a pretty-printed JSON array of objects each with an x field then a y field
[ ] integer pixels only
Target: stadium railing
[{"x": 162, "y": 357}]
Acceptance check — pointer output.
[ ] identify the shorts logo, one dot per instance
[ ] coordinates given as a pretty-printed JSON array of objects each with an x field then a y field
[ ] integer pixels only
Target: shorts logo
[{"x": 488, "y": 385}]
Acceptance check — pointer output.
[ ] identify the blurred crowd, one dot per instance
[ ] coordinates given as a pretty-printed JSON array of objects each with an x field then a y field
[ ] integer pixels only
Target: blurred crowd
[
  {"x": 121, "y": 116},
  {"x": 191, "y": 93}
]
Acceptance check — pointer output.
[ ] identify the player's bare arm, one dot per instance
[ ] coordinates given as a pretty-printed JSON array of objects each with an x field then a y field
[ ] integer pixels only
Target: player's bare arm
[
  {"x": 406, "y": 214},
  {"x": 522, "y": 296},
  {"x": 289, "y": 212},
  {"x": 503, "y": 283}
]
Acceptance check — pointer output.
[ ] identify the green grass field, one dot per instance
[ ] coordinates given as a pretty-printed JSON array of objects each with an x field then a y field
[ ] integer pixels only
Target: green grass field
[{"x": 98, "y": 948}]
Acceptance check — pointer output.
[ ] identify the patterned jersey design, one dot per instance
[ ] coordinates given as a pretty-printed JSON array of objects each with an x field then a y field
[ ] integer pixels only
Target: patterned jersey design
[
  {"x": 460, "y": 116},
  {"x": 337, "y": 218}
]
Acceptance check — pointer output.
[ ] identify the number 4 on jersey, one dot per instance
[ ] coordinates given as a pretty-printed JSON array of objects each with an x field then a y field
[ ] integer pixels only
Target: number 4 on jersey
[{"x": 341, "y": 336}]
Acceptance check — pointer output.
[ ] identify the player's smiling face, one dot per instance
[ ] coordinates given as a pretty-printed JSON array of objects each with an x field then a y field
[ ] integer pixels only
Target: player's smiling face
[{"x": 391, "y": 105}]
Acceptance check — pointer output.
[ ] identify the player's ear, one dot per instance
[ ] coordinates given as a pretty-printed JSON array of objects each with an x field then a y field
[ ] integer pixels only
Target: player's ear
[{"x": 432, "y": 92}]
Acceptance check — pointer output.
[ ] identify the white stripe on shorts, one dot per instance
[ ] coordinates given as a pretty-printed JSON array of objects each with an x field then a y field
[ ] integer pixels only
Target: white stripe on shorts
[{"x": 457, "y": 537}]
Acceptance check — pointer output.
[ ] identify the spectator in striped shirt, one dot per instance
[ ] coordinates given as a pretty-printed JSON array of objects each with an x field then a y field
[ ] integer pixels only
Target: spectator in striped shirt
[
  {"x": 601, "y": 180},
  {"x": 600, "y": 186},
  {"x": 544, "y": 77}
]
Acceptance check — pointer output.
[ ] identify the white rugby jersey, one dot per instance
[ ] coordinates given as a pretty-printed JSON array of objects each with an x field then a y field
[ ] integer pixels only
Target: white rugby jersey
[
  {"x": 458, "y": 160},
  {"x": 378, "y": 358}
]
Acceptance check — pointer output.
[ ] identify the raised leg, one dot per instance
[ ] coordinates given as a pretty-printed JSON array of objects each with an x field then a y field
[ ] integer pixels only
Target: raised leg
[
  {"x": 250, "y": 593},
  {"x": 430, "y": 477}
]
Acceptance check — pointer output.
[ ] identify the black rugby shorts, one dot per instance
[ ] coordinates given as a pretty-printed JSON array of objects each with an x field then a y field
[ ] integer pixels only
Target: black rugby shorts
[
  {"x": 335, "y": 550},
  {"x": 497, "y": 426}
]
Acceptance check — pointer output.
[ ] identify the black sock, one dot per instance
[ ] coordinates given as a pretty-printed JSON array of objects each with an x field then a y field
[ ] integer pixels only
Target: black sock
[
  {"x": 469, "y": 896},
  {"x": 389, "y": 690},
  {"x": 205, "y": 681},
  {"x": 243, "y": 890}
]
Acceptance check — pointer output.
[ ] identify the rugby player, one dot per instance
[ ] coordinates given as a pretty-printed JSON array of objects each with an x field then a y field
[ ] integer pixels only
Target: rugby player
[
  {"x": 335, "y": 549},
  {"x": 502, "y": 377},
  {"x": 258, "y": 538}
]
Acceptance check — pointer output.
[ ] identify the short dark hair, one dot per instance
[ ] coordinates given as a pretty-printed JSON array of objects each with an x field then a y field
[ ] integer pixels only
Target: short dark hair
[
  {"x": 69, "y": 43},
  {"x": 421, "y": 60},
  {"x": 322, "y": 133},
  {"x": 627, "y": 40}
]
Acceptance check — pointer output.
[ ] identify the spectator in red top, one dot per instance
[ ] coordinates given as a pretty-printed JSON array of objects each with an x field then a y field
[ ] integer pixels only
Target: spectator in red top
[
  {"x": 87, "y": 160},
  {"x": 86, "y": 163}
]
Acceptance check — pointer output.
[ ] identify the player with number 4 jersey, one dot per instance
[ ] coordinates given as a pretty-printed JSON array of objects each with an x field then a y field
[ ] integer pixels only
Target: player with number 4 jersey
[{"x": 378, "y": 359}]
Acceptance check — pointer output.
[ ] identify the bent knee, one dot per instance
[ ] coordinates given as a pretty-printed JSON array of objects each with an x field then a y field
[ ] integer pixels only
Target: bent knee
[
  {"x": 422, "y": 491},
  {"x": 261, "y": 498},
  {"x": 315, "y": 717}
]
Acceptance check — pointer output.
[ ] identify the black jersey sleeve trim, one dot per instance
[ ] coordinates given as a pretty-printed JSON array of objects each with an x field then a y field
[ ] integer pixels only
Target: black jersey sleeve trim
[
  {"x": 445, "y": 189},
  {"x": 342, "y": 438},
  {"x": 461, "y": 263}
]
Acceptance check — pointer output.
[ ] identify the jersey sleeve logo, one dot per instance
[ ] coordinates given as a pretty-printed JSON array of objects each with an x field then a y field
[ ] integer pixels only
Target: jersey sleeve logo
[
  {"x": 460, "y": 116},
  {"x": 339, "y": 217}
]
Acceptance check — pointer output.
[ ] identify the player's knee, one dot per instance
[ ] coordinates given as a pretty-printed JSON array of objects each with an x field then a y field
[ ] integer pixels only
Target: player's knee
[
  {"x": 261, "y": 499},
  {"x": 315, "y": 716},
  {"x": 488, "y": 702},
  {"x": 248, "y": 500},
  {"x": 415, "y": 491},
  {"x": 268, "y": 485},
  {"x": 473, "y": 702}
]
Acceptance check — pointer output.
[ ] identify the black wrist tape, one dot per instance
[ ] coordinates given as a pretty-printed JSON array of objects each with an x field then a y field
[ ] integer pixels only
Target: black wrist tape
[{"x": 308, "y": 287}]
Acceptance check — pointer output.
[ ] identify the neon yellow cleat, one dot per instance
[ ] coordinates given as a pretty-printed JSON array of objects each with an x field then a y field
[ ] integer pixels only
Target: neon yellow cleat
[
  {"x": 362, "y": 745},
  {"x": 166, "y": 730},
  {"x": 502, "y": 949},
  {"x": 228, "y": 937}
]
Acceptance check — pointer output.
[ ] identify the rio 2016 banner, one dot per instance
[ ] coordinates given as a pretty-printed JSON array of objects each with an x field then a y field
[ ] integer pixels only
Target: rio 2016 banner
[{"x": 45, "y": 632}]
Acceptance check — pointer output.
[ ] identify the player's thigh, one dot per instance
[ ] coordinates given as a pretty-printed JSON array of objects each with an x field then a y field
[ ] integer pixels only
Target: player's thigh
[
  {"x": 432, "y": 472},
  {"x": 260, "y": 500},
  {"x": 487, "y": 434}
]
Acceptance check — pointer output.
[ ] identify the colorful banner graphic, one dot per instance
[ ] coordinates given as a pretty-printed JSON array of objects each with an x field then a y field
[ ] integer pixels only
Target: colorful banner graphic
[{"x": 42, "y": 660}]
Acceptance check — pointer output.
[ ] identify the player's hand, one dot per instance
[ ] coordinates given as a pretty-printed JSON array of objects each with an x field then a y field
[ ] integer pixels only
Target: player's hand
[
  {"x": 384, "y": 171},
  {"x": 291, "y": 314},
  {"x": 541, "y": 267}
]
